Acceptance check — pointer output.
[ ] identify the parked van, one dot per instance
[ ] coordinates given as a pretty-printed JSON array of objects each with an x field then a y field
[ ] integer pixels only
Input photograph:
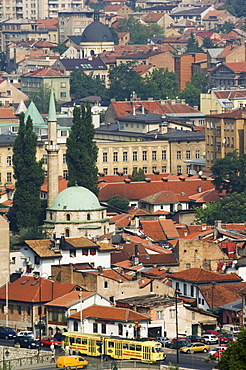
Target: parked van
[
  {"x": 72, "y": 362},
  {"x": 232, "y": 329}
]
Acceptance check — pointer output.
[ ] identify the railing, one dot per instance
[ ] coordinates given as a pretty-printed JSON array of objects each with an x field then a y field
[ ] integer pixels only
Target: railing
[{"x": 17, "y": 362}]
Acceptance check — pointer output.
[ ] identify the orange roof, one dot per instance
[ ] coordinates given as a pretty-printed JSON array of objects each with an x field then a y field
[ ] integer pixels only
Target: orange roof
[
  {"x": 112, "y": 7},
  {"x": 213, "y": 13},
  {"x": 62, "y": 184},
  {"x": 143, "y": 68},
  {"x": 198, "y": 275},
  {"x": 169, "y": 229},
  {"x": 109, "y": 274},
  {"x": 48, "y": 23},
  {"x": 7, "y": 113},
  {"x": 69, "y": 299},
  {"x": 152, "y": 17},
  {"x": 221, "y": 294},
  {"x": 228, "y": 50},
  {"x": 111, "y": 314},
  {"x": 50, "y": 72},
  {"x": 237, "y": 66},
  {"x": 210, "y": 195},
  {"x": 153, "y": 229},
  {"x": 27, "y": 289}
]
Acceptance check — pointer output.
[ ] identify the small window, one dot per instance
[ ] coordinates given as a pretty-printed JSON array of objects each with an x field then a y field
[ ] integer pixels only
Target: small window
[
  {"x": 19, "y": 310},
  {"x": 105, "y": 284},
  {"x": 132, "y": 347},
  {"x": 88, "y": 216},
  {"x": 138, "y": 347},
  {"x": 72, "y": 253},
  {"x": 63, "y": 94},
  {"x": 84, "y": 341},
  {"x": 111, "y": 344},
  {"x": 67, "y": 233},
  {"x": 95, "y": 327},
  {"x": 68, "y": 217},
  {"x": 104, "y": 331}
]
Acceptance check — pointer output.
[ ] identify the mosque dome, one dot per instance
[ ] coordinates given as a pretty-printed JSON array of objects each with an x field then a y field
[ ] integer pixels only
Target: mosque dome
[
  {"x": 96, "y": 32},
  {"x": 76, "y": 198}
]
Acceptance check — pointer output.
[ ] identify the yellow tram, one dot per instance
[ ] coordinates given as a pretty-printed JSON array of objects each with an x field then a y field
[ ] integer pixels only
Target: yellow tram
[{"x": 122, "y": 349}]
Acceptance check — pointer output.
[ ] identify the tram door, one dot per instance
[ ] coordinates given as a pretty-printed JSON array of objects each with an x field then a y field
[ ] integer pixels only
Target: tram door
[
  {"x": 118, "y": 350},
  {"x": 92, "y": 347},
  {"x": 146, "y": 353}
]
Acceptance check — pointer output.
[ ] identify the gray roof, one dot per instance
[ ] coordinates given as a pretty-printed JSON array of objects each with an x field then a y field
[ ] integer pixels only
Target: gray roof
[
  {"x": 84, "y": 63},
  {"x": 190, "y": 11},
  {"x": 143, "y": 118},
  {"x": 75, "y": 39},
  {"x": 97, "y": 32},
  {"x": 214, "y": 52},
  {"x": 176, "y": 135}
]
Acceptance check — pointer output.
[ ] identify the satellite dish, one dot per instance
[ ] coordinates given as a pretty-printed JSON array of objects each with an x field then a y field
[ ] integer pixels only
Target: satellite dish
[{"x": 200, "y": 173}]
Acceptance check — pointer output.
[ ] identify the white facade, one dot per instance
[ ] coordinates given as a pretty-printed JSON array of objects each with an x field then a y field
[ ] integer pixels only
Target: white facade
[
  {"x": 25, "y": 260},
  {"x": 190, "y": 290}
]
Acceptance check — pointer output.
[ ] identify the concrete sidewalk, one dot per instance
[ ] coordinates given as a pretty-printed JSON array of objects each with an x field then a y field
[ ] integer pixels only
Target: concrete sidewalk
[{"x": 35, "y": 366}]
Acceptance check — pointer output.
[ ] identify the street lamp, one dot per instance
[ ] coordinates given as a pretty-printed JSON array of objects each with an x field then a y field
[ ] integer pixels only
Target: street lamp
[
  {"x": 176, "y": 323},
  {"x": 80, "y": 312}
]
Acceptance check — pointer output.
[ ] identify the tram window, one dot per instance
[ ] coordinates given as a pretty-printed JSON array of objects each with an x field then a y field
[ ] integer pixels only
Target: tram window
[
  {"x": 138, "y": 347},
  {"x": 72, "y": 340},
  {"x": 78, "y": 340},
  {"x": 84, "y": 341},
  {"x": 125, "y": 345},
  {"x": 132, "y": 347},
  {"x": 111, "y": 344}
]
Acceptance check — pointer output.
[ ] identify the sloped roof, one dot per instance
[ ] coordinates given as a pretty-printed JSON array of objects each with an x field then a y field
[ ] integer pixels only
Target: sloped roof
[
  {"x": 235, "y": 113},
  {"x": 112, "y": 7},
  {"x": 214, "y": 13},
  {"x": 109, "y": 274},
  {"x": 159, "y": 260},
  {"x": 163, "y": 197},
  {"x": 210, "y": 195},
  {"x": 69, "y": 299},
  {"x": 153, "y": 230},
  {"x": 27, "y": 289},
  {"x": 199, "y": 276},
  {"x": 236, "y": 66},
  {"x": 228, "y": 50},
  {"x": 152, "y": 17},
  {"x": 44, "y": 72},
  {"x": 33, "y": 112},
  {"x": 7, "y": 113},
  {"x": 169, "y": 229},
  {"x": 221, "y": 294},
  {"x": 84, "y": 63},
  {"x": 230, "y": 94},
  {"x": 111, "y": 314}
]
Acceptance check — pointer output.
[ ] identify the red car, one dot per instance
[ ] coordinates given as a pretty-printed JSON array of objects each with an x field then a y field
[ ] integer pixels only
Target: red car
[
  {"x": 223, "y": 340},
  {"x": 47, "y": 341},
  {"x": 218, "y": 354}
]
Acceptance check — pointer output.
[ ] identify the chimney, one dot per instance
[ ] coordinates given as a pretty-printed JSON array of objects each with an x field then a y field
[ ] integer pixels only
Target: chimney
[
  {"x": 163, "y": 128},
  {"x": 217, "y": 223},
  {"x": 133, "y": 109},
  {"x": 213, "y": 111},
  {"x": 142, "y": 109}
]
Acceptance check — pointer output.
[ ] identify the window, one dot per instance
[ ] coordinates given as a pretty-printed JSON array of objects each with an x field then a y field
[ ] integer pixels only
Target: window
[
  {"x": 172, "y": 313},
  {"x": 164, "y": 155},
  {"x": 105, "y": 171},
  {"x": 115, "y": 156},
  {"x": 125, "y": 156},
  {"x": 179, "y": 154},
  {"x": 134, "y": 156},
  {"x": 65, "y": 174},
  {"x": 164, "y": 169},
  {"x": 115, "y": 171},
  {"x": 125, "y": 170},
  {"x": 72, "y": 253},
  {"x": 64, "y": 133},
  {"x": 63, "y": 94},
  {"x": 68, "y": 217},
  {"x": 36, "y": 260},
  {"x": 88, "y": 216},
  {"x": 188, "y": 265},
  {"x": 179, "y": 169},
  {"x": 120, "y": 329},
  {"x": 154, "y": 157},
  {"x": 85, "y": 252},
  {"x": 67, "y": 233},
  {"x": 177, "y": 286},
  {"x": 197, "y": 154},
  {"x": 187, "y": 154},
  {"x": 95, "y": 327},
  {"x": 111, "y": 298},
  {"x": 63, "y": 84},
  {"x": 19, "y": 310},
  {"x": 144, "y": 155},
  {"x": 104, "y": 328},
  {"x": 159, "y": 315},
  {"x": 154, "y": 168},
  {"x": 9, "y": 176},
  {"x": 185, "y": 289},
  {"x": 192, "y": 290},
  {"x": 64, "y": 159},
  {"x": 105, "y": 157},
  {"x": 145, "y": 169},
  {"x": 105, "y": 284},
  {"x": 9, "y": 160},
  {"x": 188, "y": 168}
]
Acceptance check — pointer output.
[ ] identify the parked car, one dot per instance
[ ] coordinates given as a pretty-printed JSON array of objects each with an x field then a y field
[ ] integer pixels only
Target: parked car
[
  {"x": 27, "y": 341},
  {"x": 196, "y": 338},
  {"x": 214, "y": 332},
  {"x": 210, "y": 338},
  {"x": 218, "y": 354},
  {"x": 179, "y": 343},
  {"x": 195, "y": 347},
  {"x": 164, "y": 341},
  {"x": 47, "y": 341},
  {"x": 214, "y": 350},
  {"x": 7, "y": 333},
  {"x": 26, "y": 332},
  {"x": 71, "y": 362},
  {"x": 224, "y": 340},
  {"x": 230, "y": 336}
]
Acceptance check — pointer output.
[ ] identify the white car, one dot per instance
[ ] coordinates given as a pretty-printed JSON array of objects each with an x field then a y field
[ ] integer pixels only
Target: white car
[
  {"x": 214, "y": 350},
  {"x": 210, "y": 338},
  {"x": 25, "y": 332}
]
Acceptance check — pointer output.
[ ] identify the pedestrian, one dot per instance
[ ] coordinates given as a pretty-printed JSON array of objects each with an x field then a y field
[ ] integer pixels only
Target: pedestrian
[
  {"x": 52, "y": 357},
  {"x": 52, "y": 347},
  {"x": 70, "y": 351},
  {"x": 66, "y": 350}
]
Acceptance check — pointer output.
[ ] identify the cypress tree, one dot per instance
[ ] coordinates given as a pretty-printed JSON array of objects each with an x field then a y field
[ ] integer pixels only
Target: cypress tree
[
  {"x": 29, "y": 176},
  {"x": 82, "y": 150}
]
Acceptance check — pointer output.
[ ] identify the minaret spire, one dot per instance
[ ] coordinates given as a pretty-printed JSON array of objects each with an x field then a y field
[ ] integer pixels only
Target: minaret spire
[{"x": 52, "y": 151}]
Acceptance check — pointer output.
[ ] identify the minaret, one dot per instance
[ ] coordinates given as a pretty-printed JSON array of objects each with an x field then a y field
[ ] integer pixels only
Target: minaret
[{"x": 52, "y": 150}]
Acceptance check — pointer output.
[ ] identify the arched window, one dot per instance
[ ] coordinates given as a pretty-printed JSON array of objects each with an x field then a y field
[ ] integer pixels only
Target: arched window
[
  {"x": 67, "y": 233},
  {"x": 68, "y": 217},
  {"x": 120, "y": 329},
  {"x": 75, "y": 326},
  {"x": 88, "y": 216},
  {"x": 92, "y": 52}
]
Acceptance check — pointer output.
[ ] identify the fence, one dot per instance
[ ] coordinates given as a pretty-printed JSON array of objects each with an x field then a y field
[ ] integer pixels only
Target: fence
[{"x": 17, "y": 362}]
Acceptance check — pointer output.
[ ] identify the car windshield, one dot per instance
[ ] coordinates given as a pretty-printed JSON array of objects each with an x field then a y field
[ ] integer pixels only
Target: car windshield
[
  {"x": 189, "y": 345},
  {"x": 156, "y": 349}
]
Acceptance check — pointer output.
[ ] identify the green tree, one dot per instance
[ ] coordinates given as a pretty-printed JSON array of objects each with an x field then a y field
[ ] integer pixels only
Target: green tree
[
  {"x": 193, "y": 89},
  {"x": 41, "y": 98},
  {"x": 192, "y": 46},
  {"x": 208, "y": 43},
  {"x": 29, "y": 175},
  {"x": 60, "y": 48},
  {"x": 137, "y": 175},
  {"x": 228, "y": 209},
  {"x": 83, "y": 85},
  {"x": 244, "y": 25},
  {"x": 229, "y": 173},
  {"x": 160, "y": 84},
  {"x": 3, "y": 61},
  {"x": 226, "y": 27},
  {"x": 200, "y": 81},
  {"x": 119, "y": 202},
  {"x": 234, "y": 358},
  {"x": 82, "y": 150},
  {"x": 123, "y": 81}
]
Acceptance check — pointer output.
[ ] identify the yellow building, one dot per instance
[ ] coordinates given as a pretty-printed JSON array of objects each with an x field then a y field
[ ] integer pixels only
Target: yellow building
[
  {"x": 220, "y": 101},
  {"x": 225, "y": 133}
]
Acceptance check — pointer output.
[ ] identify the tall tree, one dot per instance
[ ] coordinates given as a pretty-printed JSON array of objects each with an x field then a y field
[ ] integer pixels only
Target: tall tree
[
  {"x": 29, "y": 175},
  {"x": 82, "y": 150},
  {"x": 160, "y": 84},
  {"x": 230, "y": 173},
  {"x": 192, "y": 46},
  {"x": 234, "y": 358},
  {"x": 41, "y": 98},
  {"x": 83, "y": 85}
]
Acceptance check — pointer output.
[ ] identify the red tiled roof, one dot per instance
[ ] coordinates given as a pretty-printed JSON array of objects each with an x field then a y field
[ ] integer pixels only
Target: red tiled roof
[
  {"x": 112, "y": 7},
  {"x": 210, "y": 195},
  {"x": 152, "y": 17},
  {"x": 69, "y": 299},
  {"x": 228, "y": 50},
  {"x": 159, "y": 260},
  {"x": 7, "y": 113},
  {"x": 214, "y": 13},
  {"x": 221, "y": 294},
  {"x": 230, "y": 94},
  {"x": 123, "y": 109},
  {"x": 109, "y": 274},
  {"x": 44, "y": 72},
  {"x": 178, "y": 108},
  {"x": 199, "y": 275},
  {"x": 161, "y": 197},
  {"x": 153, "y": 230},
  {"x": 27, "y": 289},
  {"x": 237, "y": 66},
  {"x": 110, "y": 313},
  {"x": 143, "y": 68},
  {"x": 62, "y": 184},
  {"x": 48, "y": 23},
  {"x": 169, "y": 229}
]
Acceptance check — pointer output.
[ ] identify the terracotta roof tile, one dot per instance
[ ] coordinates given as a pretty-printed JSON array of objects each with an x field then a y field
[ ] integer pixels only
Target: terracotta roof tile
[
  {"x": 222, "y": 294},
  {"x": 161, "y": 197},
  {"x": 152, "y": 17},
  {"x": 210, "y": 195},
  {"x": 200, "y": 276},
  {"x": 159, "y": 260},
  {"x": 153, "y": 230},
  {"x": 7, "y": 113},
  {"x": 49, "y": 72},
  {"x": 27, "y": 289},
  {"x": 237, "y": 66},
  {"x": 230, "y": 94},
  {"x": 109, "y": 274},
  {"x": 169, "y": 229},
  {"x": 110, "y": 313},
  {"x": 69, "y": 299}
]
